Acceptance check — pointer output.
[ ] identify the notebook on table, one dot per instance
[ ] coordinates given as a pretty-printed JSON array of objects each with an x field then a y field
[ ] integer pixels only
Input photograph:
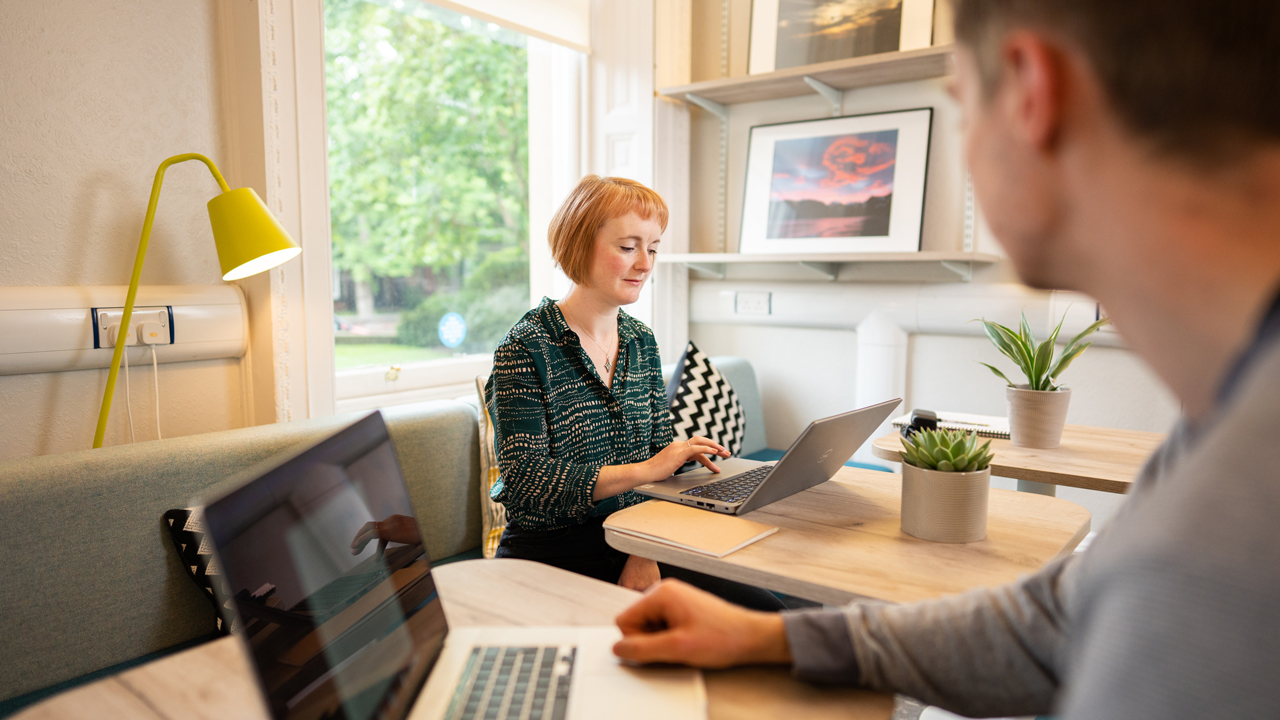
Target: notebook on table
[
  {"x": 689, "y": 529},
  {"x": 990, "y": 426}
]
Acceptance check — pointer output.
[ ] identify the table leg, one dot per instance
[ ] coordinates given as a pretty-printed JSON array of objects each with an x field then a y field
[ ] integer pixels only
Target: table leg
[{"x": 1031, "y": 486}]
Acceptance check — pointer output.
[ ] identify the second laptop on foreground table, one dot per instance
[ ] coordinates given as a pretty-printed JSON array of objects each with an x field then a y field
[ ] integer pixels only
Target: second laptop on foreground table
[{"x": 842, "y": 541}]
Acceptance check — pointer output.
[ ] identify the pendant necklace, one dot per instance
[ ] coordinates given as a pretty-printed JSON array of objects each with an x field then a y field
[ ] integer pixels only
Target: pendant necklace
[{"x": 607, "y": 366}]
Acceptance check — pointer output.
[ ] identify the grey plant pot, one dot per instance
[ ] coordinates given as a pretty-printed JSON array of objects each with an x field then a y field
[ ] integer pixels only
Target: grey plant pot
[
  {"x": 1036, "y": 417},
  {"x": 945, "y": 507}
]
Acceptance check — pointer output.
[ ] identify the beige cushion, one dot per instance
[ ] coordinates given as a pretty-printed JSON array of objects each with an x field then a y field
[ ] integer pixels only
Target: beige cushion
[{"x": 492, "y": 514}]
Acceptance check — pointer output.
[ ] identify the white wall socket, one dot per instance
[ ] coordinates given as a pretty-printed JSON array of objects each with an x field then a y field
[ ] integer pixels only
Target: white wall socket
[
  {"x": 753, "y": 303},
  {"x": 106, "y": 317}
]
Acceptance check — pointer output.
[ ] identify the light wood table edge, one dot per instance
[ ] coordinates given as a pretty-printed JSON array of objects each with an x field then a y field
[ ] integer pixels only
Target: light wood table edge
[
  {"x": 1068, "y": 479},
  {"x": 664, "y": 553},
  {"x": 213, "y": 680}
]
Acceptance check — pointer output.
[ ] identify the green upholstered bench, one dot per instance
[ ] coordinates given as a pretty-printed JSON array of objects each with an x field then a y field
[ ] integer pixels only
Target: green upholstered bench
[{"x": 89, "y": 581}]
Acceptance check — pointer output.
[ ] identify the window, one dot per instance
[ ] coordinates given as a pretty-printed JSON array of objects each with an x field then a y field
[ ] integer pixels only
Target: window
[{"x": 428, "y": 126}]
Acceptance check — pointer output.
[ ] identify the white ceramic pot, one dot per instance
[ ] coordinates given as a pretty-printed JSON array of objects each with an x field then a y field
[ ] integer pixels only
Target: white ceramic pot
[
  {"x": 1036, "y": 417},
  {"x": 945, "y": 507}
]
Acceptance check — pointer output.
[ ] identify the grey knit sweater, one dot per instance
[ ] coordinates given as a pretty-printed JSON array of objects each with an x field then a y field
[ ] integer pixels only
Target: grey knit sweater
[{"x": 1173, "y": 611}]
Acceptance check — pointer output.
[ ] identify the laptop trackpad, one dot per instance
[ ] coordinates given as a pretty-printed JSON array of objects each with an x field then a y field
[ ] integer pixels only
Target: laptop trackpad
[{"x": 701, "y": 476}]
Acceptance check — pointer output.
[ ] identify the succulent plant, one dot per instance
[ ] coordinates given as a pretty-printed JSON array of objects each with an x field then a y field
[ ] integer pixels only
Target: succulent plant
[
  {"x": 946, "y": 450},
  {"x": 1036, "y": 361}
]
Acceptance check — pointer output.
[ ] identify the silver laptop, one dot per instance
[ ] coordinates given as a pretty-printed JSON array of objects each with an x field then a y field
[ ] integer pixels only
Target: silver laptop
[
  {"x": 744, "y": 485},
  {"x": 325, "y": 577}
]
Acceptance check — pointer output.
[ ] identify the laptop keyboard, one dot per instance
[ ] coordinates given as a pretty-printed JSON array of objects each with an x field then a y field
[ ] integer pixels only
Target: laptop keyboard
[
  {"x": 514, "y": 683},
  {"x": 733, "y": 489}
]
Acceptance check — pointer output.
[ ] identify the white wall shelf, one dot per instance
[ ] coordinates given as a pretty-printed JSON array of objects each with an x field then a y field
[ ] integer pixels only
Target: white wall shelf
[
  {"x": 924, "y": 266},
  {"x": 837, "y": 75}
]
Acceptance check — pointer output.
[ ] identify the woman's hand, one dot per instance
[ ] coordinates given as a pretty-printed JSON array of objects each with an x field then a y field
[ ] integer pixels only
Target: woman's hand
[
  {"x": 680, "y": 452},
  {"x": 639, "y": 574},
  {"x": 396, "y": 528},
  {"x": 614, "y": 479}
]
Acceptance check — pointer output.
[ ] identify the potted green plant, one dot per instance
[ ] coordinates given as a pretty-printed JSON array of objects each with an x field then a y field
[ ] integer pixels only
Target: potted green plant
[
  {"x": 1038, "y": 407},
  {"x": 946, "y": 477}
]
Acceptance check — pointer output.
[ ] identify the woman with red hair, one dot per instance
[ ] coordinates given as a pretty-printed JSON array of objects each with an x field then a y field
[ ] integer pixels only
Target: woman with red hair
[{"x": 578, "y": 402}]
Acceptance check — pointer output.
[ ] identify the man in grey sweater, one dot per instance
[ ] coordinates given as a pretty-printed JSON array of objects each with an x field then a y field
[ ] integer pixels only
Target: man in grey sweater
[{"x": 1128, "y": 149}]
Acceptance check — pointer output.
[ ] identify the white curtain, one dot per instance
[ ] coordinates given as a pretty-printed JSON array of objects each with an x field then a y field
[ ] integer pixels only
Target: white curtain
[{"x": 565, "y": 22}]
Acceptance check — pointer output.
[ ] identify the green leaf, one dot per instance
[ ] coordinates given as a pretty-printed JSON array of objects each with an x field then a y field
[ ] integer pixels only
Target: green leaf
[
  {"x": 1067, "y": 356},
  {"x": 1044, "y": 354},
  {"x": 1075, "y": 341},
  {"x": 1027, "y": 336},
  {"x": 997, "y": 333},
  {"x": 946, "y": 466},
  {"x": 1023, "y": 355},
  {"x": 998, "y": 374}
]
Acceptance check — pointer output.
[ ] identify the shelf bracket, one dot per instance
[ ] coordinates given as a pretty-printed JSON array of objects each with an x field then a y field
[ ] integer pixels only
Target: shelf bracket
[
  {"x": 828, "y": 270},
  {"x": 963, "y": 269},
  {"x": 711, "y": 106},
  {"x": 833, "y": 96},
  {"x": 715, "y": 270}
]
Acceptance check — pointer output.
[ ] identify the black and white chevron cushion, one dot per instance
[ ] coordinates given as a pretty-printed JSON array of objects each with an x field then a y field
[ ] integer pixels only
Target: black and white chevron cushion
[
  {"x": 703, "y": 402},
  {"x": 186, "y": 530}
]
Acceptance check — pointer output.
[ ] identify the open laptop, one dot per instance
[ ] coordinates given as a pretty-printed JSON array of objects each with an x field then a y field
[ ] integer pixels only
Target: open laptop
[
  {"x": 744, "y": 485},
  {"x": 326, "y": 579}
]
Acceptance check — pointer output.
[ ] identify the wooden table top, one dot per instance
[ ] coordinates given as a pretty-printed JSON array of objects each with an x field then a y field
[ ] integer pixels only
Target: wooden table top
[
  {"x": 1089, "y": 457},
  {"x": 842, "y": 541},
  {"x": 215, "y": 680}
]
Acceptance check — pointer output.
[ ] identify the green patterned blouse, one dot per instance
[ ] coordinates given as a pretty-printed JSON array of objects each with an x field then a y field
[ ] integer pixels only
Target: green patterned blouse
[{"x": 556, "y": 424}]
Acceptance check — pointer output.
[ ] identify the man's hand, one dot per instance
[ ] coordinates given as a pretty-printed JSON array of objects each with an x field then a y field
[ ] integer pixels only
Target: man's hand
[
  {"x": 639, "y": 574},
  {"x": 677, "y": 623}
]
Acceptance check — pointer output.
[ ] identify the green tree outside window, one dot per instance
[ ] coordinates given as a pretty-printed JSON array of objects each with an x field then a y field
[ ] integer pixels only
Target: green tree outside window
[{"x": 428, "y": 173}]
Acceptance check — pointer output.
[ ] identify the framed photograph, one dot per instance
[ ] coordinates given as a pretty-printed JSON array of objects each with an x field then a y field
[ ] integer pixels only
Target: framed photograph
[
  {"x": 839, "y": 185},
  {"x": 791, "y": 33}
]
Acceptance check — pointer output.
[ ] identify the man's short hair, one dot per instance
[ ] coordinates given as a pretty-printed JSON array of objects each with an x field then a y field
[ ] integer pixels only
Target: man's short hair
[
  {"x": 595, "y": 201},
  {"x": 1200, "y": 78}
]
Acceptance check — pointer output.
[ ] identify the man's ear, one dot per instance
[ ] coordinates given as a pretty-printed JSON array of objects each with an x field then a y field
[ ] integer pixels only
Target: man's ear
[{"x": 1033, "y": 76}]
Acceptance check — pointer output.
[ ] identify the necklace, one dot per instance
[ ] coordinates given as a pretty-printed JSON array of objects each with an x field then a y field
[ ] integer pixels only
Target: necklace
[{"x": 607, "y": 366}]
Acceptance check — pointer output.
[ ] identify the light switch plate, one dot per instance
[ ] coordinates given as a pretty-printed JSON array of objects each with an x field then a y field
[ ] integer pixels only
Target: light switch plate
[{"x": 753, "y": 303}]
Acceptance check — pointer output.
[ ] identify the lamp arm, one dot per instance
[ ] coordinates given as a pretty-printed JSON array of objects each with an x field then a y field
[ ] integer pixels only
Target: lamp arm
[{"x": 121, "y": 340}]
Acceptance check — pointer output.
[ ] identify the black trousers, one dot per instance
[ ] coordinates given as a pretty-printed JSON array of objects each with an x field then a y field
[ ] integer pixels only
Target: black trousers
[{"x": 583, "y": 550}]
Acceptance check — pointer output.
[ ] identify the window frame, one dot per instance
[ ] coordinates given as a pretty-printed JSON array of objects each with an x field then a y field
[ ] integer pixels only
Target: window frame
[{"x": 557, "y": 90}]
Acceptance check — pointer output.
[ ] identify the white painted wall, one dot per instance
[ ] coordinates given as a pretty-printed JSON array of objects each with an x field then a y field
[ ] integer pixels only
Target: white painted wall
[
  {"x": 93, "y": 96},
  {"x": 805, "y": 374}
]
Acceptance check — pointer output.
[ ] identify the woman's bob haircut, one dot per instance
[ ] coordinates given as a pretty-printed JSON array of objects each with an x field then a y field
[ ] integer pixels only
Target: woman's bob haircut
[{"x": 595, "y": 201}]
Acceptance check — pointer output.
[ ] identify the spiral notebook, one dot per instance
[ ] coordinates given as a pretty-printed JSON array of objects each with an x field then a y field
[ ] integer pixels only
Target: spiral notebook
[{"x": 990, "y": 426}]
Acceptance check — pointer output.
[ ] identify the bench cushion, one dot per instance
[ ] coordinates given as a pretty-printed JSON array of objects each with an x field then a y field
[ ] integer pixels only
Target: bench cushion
[{"x": 90, "y": 577}]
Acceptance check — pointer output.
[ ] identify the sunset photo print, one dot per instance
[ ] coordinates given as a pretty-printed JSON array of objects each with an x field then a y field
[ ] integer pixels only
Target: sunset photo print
[
  {"x": 846, "y": 184},
  {"x": 832, "y": 187}
]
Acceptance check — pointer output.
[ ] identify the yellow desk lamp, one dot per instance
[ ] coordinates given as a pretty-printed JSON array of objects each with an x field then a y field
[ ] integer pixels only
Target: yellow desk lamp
[{"x": 249, "y": 240}]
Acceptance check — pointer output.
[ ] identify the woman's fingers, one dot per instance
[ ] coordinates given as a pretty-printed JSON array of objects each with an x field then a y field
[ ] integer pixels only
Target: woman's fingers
[
  {"x": 713, "y": 447},
  {"x": 706, "y": 462}
]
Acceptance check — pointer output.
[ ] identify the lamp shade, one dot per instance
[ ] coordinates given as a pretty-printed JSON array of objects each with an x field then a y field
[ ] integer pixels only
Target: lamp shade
[{"x": 248, "y": 236}]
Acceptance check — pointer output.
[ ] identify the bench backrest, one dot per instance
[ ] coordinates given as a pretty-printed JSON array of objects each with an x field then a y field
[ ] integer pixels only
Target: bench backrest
[{"x": 88, "y": 576}]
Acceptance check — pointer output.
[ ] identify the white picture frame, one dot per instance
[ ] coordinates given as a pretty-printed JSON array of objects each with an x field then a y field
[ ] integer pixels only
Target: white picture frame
[
  {"x": 916, "y": 31},
  {"x": 832, "y": 185}
]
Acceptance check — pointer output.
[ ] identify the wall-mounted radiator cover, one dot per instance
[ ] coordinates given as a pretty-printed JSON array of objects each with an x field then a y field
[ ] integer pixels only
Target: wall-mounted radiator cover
[{"x": 52, "y": 329}]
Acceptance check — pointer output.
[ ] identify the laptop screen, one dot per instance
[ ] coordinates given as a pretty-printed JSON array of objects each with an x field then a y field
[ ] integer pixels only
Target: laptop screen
[{"x": 330, "y": 581}]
